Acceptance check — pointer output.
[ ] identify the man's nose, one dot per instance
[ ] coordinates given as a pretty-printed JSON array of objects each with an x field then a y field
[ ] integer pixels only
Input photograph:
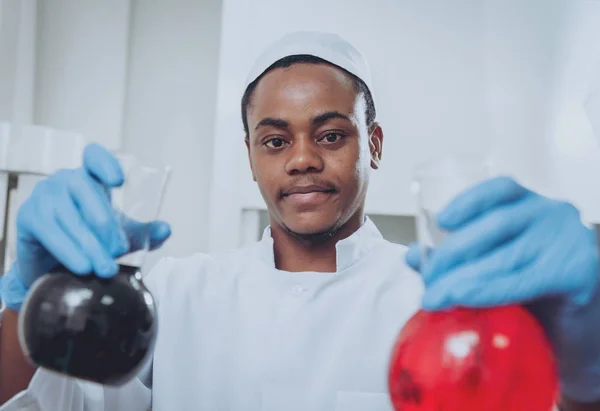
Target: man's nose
[{"x": 304, "y": 157}]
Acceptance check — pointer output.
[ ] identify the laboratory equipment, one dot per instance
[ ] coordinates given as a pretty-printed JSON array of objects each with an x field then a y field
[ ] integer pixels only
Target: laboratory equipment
[
  {"x": 492, "y": 359},
  {"x": 436, "y": 183},
  {"x": 93, "y": 328},
  {"x": 464, "y": 359}
]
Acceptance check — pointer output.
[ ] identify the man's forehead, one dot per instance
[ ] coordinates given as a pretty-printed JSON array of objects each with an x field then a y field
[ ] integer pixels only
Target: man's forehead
[
  {"x": 303, "y": 82},
  {"x": 300, "y": 101}
]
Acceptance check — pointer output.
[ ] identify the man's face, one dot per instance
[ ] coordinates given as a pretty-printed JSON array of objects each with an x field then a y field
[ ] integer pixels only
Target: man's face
[{"x": 309, "y": 147}]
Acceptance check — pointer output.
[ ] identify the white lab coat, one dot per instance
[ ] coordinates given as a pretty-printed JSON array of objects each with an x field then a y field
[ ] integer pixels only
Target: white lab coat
[{"x": 235, "y": 333}]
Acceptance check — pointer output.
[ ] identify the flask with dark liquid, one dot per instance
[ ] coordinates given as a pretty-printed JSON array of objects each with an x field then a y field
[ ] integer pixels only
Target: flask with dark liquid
[
  {"x": 97, "y": 329},
  {"x": 100, "y": 329}
]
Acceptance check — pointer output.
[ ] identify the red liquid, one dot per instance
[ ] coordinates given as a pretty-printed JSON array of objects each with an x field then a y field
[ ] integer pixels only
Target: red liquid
[{"x": 495, "y": 359}]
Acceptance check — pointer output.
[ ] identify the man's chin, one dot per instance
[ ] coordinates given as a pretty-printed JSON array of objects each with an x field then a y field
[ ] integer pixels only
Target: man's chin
[{"x": 312, "y": 230}]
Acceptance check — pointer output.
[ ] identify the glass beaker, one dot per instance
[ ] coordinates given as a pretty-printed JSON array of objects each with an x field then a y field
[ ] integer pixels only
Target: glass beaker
[
  {"x": 98, "y": 329},
  {"x": 435, "y": 184},
  {"x": 138, "y": 202}
]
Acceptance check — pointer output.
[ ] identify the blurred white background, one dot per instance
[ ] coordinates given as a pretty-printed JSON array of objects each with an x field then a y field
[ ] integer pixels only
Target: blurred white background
[{"x": 519, "y": 79}]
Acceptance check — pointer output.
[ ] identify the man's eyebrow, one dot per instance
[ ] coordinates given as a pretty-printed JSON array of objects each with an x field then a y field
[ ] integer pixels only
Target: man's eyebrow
[
  {"x": 317, "y": 121},
  {"x": 273, "y": 122},
  {"x": 323, "y": 118}
]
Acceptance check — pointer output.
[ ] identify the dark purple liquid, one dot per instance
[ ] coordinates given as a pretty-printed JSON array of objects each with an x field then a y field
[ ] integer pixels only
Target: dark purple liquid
[{"x": 87, "y": 327}]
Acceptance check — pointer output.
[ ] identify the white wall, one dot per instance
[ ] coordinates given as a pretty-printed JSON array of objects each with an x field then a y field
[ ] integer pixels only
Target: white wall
[
  {"x": 541, "y": 60},
  {"x": 17, "y": 59},
  {"x": 9, "y": 40},
  {"x": 573, "y": 143},
  {"x": 17, "y": 77},
  {"x": 170, "y": 108},
  {"x": 82, "y": 67},
  {"x": 521, "y": 44}
]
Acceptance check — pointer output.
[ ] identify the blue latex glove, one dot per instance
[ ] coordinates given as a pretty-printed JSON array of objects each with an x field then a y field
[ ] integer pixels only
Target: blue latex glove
[
  {"x": 68, "y": 220},
  {"x": 506, "y": 245}
]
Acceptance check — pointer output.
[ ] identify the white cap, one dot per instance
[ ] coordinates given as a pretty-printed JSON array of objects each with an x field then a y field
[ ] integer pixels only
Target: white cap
[{"x": 327, "y": 46}]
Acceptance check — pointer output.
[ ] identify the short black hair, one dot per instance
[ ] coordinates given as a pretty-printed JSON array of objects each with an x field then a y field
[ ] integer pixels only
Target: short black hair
[{"x": 359, "y": 85}]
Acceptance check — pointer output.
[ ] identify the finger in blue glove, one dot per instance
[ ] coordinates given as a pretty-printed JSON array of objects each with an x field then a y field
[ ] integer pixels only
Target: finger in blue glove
[
  {"x": 486, "y": 232},
  {"x": 413, "y": 256},
  {"x": 479, "y": 199},
  {"x": 507, "y": 245},
  {"x": 149, "y": 236},
  {"x": 102, "y": 165}
]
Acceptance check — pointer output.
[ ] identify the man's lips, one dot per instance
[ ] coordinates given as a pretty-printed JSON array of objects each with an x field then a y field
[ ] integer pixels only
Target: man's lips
[
  {"x": 313, "y": 188},
  {"x": 308, "y": 196}
]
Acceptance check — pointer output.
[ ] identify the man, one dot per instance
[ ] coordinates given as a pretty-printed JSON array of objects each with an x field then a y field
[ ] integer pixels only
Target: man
[{"x": 305, "y": 319}]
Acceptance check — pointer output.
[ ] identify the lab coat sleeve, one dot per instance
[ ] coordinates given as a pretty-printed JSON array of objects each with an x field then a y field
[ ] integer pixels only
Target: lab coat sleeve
[{"x": 49, "y": 391}]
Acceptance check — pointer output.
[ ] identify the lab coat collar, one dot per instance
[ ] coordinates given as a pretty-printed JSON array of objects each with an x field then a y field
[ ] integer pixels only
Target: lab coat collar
[{"x": 348, "y": 251}]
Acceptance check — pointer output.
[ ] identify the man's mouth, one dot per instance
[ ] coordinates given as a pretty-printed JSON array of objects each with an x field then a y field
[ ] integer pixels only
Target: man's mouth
[
  {"x": 308, "y": 195},
  {"x": 308, "y": 189}
]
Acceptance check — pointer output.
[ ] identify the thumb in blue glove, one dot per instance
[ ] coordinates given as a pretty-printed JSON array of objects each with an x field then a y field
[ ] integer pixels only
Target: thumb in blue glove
[{"x": 148, "y": 236}]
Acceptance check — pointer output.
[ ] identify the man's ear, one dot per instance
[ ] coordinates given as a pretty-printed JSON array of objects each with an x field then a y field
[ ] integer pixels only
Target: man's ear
[
  {"x": 375, "y": 145},
  {"x": 247, "y": 141}
]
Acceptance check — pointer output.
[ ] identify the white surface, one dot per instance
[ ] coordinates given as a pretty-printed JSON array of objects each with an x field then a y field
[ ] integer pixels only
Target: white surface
[
  {"x": 23, "y": 99},
  {"x": 81, "y": 70},
  {"x": 9, "y": 40},
  {"x": 5, "y": 139},
  {"x": 5, "y": 131},
  {"x": 170, "y": 109},
  {"x": 17, "y": 78},
  {"x": 250, "y": 226},
  {"x": 26, "y": 186},
  {"x": 268, "y": 340},
  {"x": 573, "y": 145},
  {"x": 519, "y": 54},
  {"x": 17, "y": 59},
  {"x": 54, "y": 150}
]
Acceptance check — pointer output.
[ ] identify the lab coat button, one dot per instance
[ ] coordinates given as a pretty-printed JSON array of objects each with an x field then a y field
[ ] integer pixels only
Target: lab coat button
[{"x": 297, "y": 290}]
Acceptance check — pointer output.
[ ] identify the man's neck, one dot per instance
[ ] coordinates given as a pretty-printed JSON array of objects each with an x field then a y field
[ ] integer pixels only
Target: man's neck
[{"x": 295, "y": 254}]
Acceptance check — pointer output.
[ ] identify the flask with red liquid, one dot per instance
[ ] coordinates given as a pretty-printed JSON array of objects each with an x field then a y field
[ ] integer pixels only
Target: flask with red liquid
[{"x": 492, "y": 359}]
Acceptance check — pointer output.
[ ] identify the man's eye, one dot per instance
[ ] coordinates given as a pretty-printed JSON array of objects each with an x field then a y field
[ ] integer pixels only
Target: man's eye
[
  {"x": 332, "y": 138},
  {"x": 275, "y": 143}
]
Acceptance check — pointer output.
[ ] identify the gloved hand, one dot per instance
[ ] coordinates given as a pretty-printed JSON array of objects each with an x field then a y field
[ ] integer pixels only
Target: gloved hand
[
  {"x": 68, "y": 220},
  {"x": 507, "y": 244}
]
